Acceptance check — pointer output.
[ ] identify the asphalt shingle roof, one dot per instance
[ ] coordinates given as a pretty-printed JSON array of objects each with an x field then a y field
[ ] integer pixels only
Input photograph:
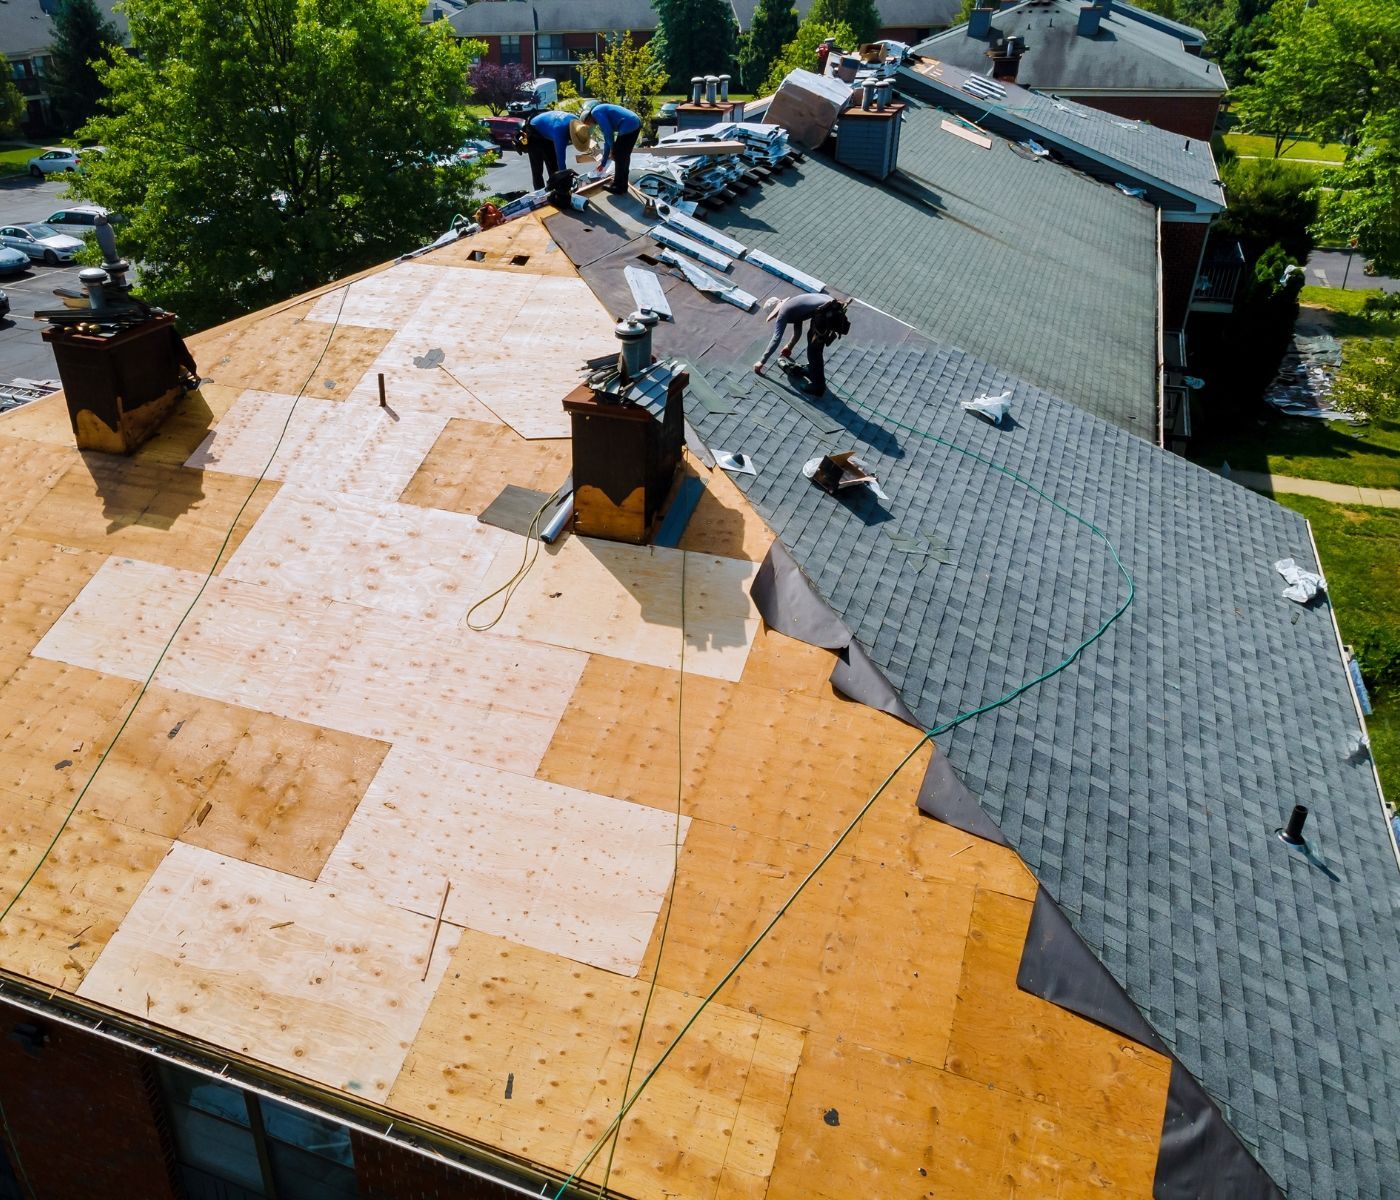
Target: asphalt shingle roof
[
  {"x": 1142, "y": 785},
  {"x": 962, "y": 245},
  {"x": 1125, "y": 54},
  {"x": 1120, "y": 149},
  {"x": 26, "y": 26}
]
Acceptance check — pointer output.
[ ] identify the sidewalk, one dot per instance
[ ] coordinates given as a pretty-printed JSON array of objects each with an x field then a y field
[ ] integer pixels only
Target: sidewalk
[{"x": 1338, "y": 493}]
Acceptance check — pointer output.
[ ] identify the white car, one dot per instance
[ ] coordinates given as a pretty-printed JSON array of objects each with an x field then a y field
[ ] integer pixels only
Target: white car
[
  {"x": 81, "y": 219},
  {"x": 42, "y": 242},
  {"x": 53, "y": 161}
]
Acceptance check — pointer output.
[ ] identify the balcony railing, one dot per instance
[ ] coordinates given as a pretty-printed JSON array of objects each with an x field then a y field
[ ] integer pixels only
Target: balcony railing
[{"x": 1219, "y": 280}]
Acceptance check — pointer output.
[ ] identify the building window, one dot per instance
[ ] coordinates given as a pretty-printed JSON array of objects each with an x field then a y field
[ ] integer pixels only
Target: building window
[
  {"x": 510, "y": 48},
  {"x": 551, "y": 48},
  {"x": 233, "y": 1144}
]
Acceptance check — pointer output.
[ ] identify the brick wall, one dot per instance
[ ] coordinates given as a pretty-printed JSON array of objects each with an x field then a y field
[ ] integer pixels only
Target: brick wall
[
  {"x": 1190, "y": 116},
  {"x": 84, "y": 1115},
  {"x": 387, "y": 1172},
  {"x": 1181, "y": 255}
]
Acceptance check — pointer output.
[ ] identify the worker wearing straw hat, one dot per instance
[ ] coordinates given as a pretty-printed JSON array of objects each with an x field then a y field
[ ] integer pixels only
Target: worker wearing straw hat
[
  {"x": 620, "y": 128},
  {"x": 547, "y": 142}
]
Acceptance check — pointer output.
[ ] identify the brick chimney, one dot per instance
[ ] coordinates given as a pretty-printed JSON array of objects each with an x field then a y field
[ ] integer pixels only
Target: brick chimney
[{"x": 709, "y": 103}]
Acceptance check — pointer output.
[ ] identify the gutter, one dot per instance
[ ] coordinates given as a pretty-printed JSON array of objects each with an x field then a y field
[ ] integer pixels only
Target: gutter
[
  {"x": 494, "y": 1168},
  {"x": 1356, "y": 704},
  {"x": 1161, "y": 352}
]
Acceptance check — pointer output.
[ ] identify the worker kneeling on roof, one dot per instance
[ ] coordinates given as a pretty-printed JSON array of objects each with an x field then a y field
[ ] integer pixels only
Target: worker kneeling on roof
[
  {"x": 826, "y": 320},
  {"x": 546, "y": 138},
  {"x": 620, "y": 128}
]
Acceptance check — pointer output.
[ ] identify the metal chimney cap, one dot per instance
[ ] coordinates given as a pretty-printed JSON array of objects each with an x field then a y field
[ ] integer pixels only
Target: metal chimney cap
[
  {"x": 629, "y": 330},
  {"x": 645, "y": 317},
  {"x": 92, "y": 276}
]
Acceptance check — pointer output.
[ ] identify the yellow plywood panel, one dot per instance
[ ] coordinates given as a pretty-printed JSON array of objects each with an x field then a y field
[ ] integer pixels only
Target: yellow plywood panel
[
  {"x": 358, "y": 448},
  {"x": 530, "y": 1052},
  {"x": 29, "y": 470},
  {"x": 789, "y": 666},
  {"x": 547, "y": 866},
  {"x": 241, "y": 783},
  {"x": 724, "y": 522},
  {"x": 397, "y": 558},
  {"x": 1025, "y": 1044},
  {"x": 283, "y": 352},
  {"x": 625, "y": 601},
  {"x": 862, "y": 1122},
  {"x": 325, "y": 986},
  {"x": 189, "y": 424},
  {"x": 145, "y": 510},
  {"x": 501, "y": 248},
  {"x": 472, "y": 462},
  {"x": 45, "y": 420},
  {"x": 38, "y": 580}
]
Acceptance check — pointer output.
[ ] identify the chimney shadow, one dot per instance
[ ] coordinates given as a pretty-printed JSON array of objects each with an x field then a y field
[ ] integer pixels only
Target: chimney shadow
[{"x": 139, "y": 492}]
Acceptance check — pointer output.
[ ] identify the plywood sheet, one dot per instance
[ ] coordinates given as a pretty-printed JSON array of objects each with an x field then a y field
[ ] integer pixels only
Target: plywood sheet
[
  {"x": 29, "y": 470},
  {"x": 397, "y": 558},
  {"x": 501, "y": 247},
  {"x": 427, "y": 388},
  {"x": 38, "y": 580},
  {"x": 241, "y": 783},
  {"x": 147, "y": 510},
  {"x": 472, "y": 462},
  {"x": 325, "y": 986},
  {"x": 724, "y": 522},
  {"x": 284, "y": 352},
  {"x": 864, "y": 1122},
  {"x": 1025, "y": 1044},
  {"x": 380, "y": 675},
  {"x": 543, "y": 865},
  {"x": 43, "y": 420},
  {"x": 356, "y": 448},
  {"x": 383, "y": 301},
  {"x": 625, "y": 601},
  {"x": 565, "y": 1033}
]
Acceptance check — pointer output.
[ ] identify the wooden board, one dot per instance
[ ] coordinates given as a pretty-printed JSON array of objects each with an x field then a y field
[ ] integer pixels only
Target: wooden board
[
  {"x": 357, "y": 448},
  {"x": 29, "y": 470},
  {"x": 625, "y": 601},
  {"x": 565, "y": 1033},
  {"x": 38, "y": 580},
  {"x": 384, "y": 301},
  {"x": 394, "y": 558},
  {"x": 723, "y": 522},
  {"x": 501, "y": 248},
  {"x": 565, "y": 871},
  {"x": 472, "y": 462},
  {"x": 321, "y": 985}
]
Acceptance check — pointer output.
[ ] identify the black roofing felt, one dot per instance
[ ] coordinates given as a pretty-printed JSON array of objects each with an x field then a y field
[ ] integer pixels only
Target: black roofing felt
[
  {"x": 1031, "y": 266},
  {"x": 1143, "y": 784}
]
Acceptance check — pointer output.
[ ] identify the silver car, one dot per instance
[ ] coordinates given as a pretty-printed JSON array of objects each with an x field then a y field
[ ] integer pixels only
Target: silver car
[
  {"x": 54, "y": 161},
  {"x": 41, "y": 242}
]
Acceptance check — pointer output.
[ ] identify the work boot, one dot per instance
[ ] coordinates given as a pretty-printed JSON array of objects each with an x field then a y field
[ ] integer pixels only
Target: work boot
[{"x": 758, "y": 368}]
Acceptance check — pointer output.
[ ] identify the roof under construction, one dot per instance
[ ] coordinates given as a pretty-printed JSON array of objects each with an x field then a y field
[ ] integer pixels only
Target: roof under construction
[{"x": 283, "y": 788}]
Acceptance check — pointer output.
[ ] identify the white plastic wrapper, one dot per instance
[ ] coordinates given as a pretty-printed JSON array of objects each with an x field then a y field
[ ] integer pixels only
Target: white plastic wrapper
[
  {"x": 1302, "y": 585},
  {"x": 994, "y": 408}
]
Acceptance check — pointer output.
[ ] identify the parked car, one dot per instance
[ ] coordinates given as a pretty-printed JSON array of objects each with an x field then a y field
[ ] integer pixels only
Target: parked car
[
  {"x": 12, "y": 260},
  {"x": 41, "y": 242},
  {"x": 504, "y": 131},
  {"x": 54, "y": 161},
  {"x": 81, "y": 219},
  {"x": 4, "y": 305}
]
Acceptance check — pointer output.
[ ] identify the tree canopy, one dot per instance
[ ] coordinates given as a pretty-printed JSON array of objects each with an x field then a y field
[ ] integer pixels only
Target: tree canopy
[
  {"x": 860, "y": 16},
  {"x": 694, "y": 37},
  {"x": 82, "y": 38},
  {"x": 801, "y": 52},
  {"x": 497, "y": 84},
  {"x": 11, "y": 102},
  {"x": 263, "y": 147},
  {"x": 626, "y": 74},
  {"x": 774, "y": 25}
]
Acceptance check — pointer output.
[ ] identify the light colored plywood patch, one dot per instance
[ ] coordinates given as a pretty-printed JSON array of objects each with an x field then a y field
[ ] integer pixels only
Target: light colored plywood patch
[
  {"x": 146, "y": 510},
  {"x": 356, "y": 448},
  {"x": 625, "y": 601},
  {"x": 908, "y": 1130},
  {"x": 472, "y": 462},
  {"x": 422, "y": 389},
  {"x": 397, "y": 558},
  {"x": 724, "y": 522},
  {"x": 285, "y": 353},
  {"x": 565, "y": 1032},
  {"x": 543, "y": 865},
  {"x": 255, "y": 787},
  {"x": 1025, "y": 1044},
  {"x": 189, "y": 424},
  {"x": 383, "y": 301},
  {"x": 380, "y": 675},
  {"x": 322, "y": 985},
  {"x": 38, "y": 580}
]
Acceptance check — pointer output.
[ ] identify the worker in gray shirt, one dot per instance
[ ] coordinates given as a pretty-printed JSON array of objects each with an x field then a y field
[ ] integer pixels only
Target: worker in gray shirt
[{"x": 826, "y": 320}]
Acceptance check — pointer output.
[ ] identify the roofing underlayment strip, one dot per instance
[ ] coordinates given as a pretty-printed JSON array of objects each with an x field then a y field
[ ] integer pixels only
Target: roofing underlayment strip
[{"x": 711, "y": 258}]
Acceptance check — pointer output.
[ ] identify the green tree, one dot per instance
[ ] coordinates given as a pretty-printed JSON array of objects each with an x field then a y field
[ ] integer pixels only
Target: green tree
[
  {"x": 801, "y": 52},
  {"x": 1270, "y": 202},
  {"x": 1363, "y": 207},
  {"x": 83, "y": 37},
  {"x": 774, "y": 25},
  {"x": 11, "y": 102},
  {"x": 1369, "y": 380},
  {"x": 626, "y": 74},
  {"x": 263, "y": 147},
  {"x": 860, "y": 16},
  {"x": 694, "y": 37}
]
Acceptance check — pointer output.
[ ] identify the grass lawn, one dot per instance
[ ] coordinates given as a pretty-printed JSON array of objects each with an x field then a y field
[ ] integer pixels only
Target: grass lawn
[
  {"x": 1251, "y": 145},
  {"x": 14, "y": 160},
  {"x": 1360, "y": 549}
]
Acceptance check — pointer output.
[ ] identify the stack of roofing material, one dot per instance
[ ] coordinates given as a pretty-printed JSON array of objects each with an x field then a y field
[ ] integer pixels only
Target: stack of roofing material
[
  {"x": 807, "y": 106},
  {"x": 764, "y": 145},
  {"x": 709, "y": 179}
]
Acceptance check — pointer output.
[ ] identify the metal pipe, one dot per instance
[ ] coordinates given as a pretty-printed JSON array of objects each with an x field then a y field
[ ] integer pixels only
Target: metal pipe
[
  {"x": 697, "y": 86},
  {"x": 1292, "y": 833},
  {"x": 711, "y": 89},
  {"x": 724, "y": 89},
  {"x": 867, "y": 95},
  {"x": 383, "y": 403},
  {"x": 632, "y": 359},
  {"x": 556, "y": 523},
  {"x": 94, "y": 279}
]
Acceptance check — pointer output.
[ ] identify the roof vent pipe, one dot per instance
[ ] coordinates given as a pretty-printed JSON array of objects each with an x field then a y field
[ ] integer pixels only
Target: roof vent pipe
[
  {"x": 883, "y": 93},
  {"x": 697, "y": 87},
  {"x": 1089, "y": 17},
  {"x": 867, "y": 94},
  {"x": 724, "y": 89},
  {"x": 648, "y": 320},
  {"x": 979, "y": 22},
  {"x": 1292, "y": 833},
  {"x": 94, "y": 280},
  {"x": 711, "y": 89},
  {"x": 633, "y": 357}
]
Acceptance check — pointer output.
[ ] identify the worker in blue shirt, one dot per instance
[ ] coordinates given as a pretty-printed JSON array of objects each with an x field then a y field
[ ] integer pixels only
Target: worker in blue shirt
[
  {"x": 547, "y": 144},
  {"x": 620, "y": 128}
]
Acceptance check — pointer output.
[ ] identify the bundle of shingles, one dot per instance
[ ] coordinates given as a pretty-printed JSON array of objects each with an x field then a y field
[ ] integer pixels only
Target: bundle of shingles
[{"x": 729, "y": 158}]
